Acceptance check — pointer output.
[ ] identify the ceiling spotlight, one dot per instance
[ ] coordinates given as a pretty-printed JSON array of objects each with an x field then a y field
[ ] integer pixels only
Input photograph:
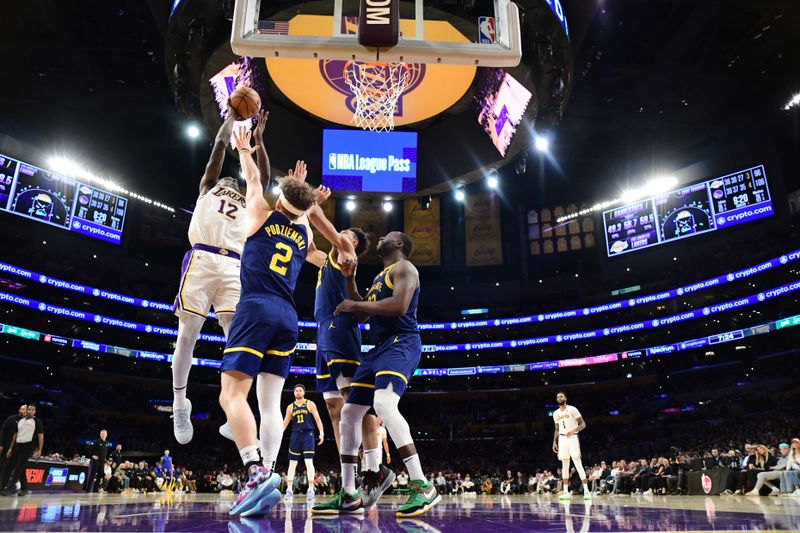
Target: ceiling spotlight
[
  {"x": 460, "y": 196},
  {"x": 387, "y": 206},
  {"x": 350, "y": 205},
  {"x": 542, "y": 144},
  {"x": 276, "y": 190},
  {"x": 795, "y": 101},
  {"x": 193, "y": 131},
  {"x": 492, "y": 180}
]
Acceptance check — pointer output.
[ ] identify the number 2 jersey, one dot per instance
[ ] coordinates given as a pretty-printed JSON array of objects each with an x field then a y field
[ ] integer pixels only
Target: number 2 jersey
[
  {"x": 219, "y": 219},
  {"x": 273, "y": 257}
]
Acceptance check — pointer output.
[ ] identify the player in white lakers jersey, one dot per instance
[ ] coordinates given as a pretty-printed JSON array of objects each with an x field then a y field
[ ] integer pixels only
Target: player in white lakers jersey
[
  {"x": 569, "y": 423},
  {"x": 210, "y": 270}
]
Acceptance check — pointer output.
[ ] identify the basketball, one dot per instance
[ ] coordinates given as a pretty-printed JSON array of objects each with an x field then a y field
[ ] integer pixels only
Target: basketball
[{"x": 245, "y": 102}]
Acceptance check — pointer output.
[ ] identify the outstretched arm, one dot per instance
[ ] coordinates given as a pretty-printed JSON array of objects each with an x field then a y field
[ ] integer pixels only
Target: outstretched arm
[
  {"x": 214, "y": 165},
  {"x": 318, "y": 219},
  {"x": 262, "y": 158},
  {"x": 349, "y": 272},
  {"x": 405, "y": 279},
  {"x": 257, "y": 206}
]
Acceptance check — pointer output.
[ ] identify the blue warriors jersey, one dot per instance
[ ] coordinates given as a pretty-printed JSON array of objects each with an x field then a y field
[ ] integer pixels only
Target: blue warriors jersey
[
  {"x": 383, "y": 327},
  {"x": 340, "y": 333},
  {"x": 273, "y": 256},
  {"x": 301, "y": 417}
]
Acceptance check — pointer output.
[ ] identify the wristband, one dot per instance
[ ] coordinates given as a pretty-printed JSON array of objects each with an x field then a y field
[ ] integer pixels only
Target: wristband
[{"x": 245, "y": 151}]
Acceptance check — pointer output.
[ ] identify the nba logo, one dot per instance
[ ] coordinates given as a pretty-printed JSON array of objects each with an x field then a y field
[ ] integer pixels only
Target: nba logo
[
  {"x": 332, "y": 161},
  {"x": 486, "y": 30}
]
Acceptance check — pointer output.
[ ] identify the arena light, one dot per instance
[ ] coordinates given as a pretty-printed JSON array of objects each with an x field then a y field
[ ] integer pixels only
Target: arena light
[
  {"x": 541, "y": 143},
  {"x": 350, "y": 205},
  {"x": 459, "y": 194},
  {"x": 193, "y": 131},
  {"x": 795, "y": 101},
  {"x": 276, "y": 189},
  {"x": 73, "y": 169},
  {"x": 387, "y": 206},
  {"x": 492, "y": 180}
]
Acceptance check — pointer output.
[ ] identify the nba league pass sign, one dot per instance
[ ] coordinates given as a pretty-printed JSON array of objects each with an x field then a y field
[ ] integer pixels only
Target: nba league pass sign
[{"x": 368, "y": 161}]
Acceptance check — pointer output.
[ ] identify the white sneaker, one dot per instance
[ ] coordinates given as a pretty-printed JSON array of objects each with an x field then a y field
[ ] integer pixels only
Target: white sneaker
[
  {"x": 752, "y": 493},
  {"x": 310, "y": 495},
  {"x": 774, "y": 491},
  {"x": 289, "y": 493},
  {"x": 225, "y": 431},
  {"x": 648, "y": 492},
  {"x": 182, "y": 423},
  {"x": 796, "y": 493},
  {"x": 564, "y": 495},
  {"x": 587, "y": 495}
]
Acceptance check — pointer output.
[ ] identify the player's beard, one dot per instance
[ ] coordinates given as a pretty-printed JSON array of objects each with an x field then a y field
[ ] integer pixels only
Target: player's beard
[
  {"x": 383, "y": 249},
  {"x": 561, "y": 402}
]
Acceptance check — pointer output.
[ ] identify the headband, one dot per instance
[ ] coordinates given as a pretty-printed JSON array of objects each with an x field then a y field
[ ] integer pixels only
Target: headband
[{"x": 286, "y": 204}]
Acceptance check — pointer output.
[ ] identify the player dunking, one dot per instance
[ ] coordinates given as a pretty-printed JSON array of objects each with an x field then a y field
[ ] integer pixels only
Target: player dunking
[
  {"x": 339, "y": 347},
  {"x": 263, "y": 334},
  {"x": 384, "y": 373},
  {"x": 569, "y": 423},
  {"x": 210, "y": 270},
  {"x": 302, "y": 414}
]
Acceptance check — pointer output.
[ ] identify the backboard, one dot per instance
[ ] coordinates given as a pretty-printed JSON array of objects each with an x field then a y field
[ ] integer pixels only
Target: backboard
[{"x": 328, "y": 30}]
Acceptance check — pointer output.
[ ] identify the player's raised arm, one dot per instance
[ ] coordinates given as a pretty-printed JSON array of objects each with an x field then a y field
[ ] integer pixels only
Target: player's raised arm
[
  {"x": 405, "y": 279},
  {"x": 257, "y": 206},
  {"x": 214, "y": 165},
  {"x": 348, "y": 269},
  {"x": 324, "y": 226},
  {"x": 262, "y": 158}
]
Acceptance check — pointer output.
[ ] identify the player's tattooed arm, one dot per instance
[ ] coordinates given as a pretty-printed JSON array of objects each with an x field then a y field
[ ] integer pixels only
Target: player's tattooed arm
[
  {"x": 555, "y": 440},
  {"x": 288, "y": 418},
  {"x": 262, "y": 158},
  {"x": 257, "y": 206},
  {"x": 405, "y": 279},
  {"x": 324, "y": 226},
  {"x": 214, "y": 165},
  {"x": 317, "y": 420},
  {"x": 581, "y": 427}
]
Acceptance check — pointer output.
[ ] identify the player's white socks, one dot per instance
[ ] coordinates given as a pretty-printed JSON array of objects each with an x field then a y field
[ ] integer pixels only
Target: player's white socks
[
  {"x": 372, "y": 459},
  {"x": 350, "y": 436},
  {"x": 386, "y": 406},
  {"x": 188, "y": 330},
  {"x": 290, "y": 473},
  {"x": 268, "y": 392},
  {"x": 249, "y": 454}
]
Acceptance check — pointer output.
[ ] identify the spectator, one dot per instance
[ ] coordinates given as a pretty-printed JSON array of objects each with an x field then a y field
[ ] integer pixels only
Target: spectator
[
  {"x": 26, "y": 442},
  {"x": 441, "y": 484},
  {"x": 790, "y": 479},
  {"x": 7, "y": 431},
  {"x": 772, "y": 473},
  {"x": 507, "y": 484},
  {"x": 468, "y": 485},
  {"x": 116, "y": 454},
  {"x": 99, "y": 453}
]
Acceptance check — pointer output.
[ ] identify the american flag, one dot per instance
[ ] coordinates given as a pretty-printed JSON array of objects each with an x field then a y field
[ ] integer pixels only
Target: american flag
[{"x": 273, "y": 27}]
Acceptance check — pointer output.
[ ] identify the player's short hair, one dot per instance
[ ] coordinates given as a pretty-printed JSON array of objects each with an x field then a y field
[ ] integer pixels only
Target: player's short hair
[
  {"x": 561, "y": 392},
  {"x": 299, "y": 194},
  {"x": 363, "y": 241},
  {"x": 301, "y": 386},
  {"x": 407, "y": 244}
]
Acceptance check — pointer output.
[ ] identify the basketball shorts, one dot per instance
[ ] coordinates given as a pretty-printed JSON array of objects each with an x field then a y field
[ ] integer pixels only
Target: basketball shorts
[
  {"x": 568, "y": 447},
  {"x": 263, "y": 337},
  {"x": 331, "y": 365},
  {"x": 391, "y": 362},
  {"x": 302, "y": 445},
  {"x": 207, "y": 279}
]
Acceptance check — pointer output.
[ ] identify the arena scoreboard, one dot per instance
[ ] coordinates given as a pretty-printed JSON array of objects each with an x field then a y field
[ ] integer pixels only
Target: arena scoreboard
[
  {"x": 712, "y": 205},
  {"x": 41, "y": 195}
]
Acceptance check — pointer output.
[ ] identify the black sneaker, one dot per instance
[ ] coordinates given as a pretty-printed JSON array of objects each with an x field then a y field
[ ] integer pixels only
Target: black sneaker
[
  {"x": 374, "y": 484},
  {"x": 23, "y": 493}
]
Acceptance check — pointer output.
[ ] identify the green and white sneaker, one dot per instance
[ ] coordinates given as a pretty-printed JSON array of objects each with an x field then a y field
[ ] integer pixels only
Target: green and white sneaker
[
  {"x": 342, "y": 503},
  {"x": 565, "y": 495},
  {"x": 423, "y": 497},
  {"x": 587, "y": 495}
]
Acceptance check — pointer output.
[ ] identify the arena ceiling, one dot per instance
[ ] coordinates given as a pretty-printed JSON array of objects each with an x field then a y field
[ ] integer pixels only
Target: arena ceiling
[{"x": 653, "y": 80}]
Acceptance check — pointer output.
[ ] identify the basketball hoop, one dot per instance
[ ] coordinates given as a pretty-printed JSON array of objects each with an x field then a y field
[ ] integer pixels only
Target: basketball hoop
[{"x": 377, "y": 87}]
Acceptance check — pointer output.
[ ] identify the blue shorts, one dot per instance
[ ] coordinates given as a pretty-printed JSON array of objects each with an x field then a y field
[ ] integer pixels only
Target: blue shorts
[
  {"x": 301, "y": 445},
  {"x": 263, "y": 337},
  {"x": 331, "y": 365},
  {"x": 393, "y": 361}
]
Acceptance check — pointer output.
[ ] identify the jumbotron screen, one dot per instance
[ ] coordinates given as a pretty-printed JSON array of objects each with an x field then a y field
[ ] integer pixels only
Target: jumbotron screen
[
  {"x": 41, "y": 195},
  {"x": 714, "y": 204},
  {"x": 369, "y": 161}
]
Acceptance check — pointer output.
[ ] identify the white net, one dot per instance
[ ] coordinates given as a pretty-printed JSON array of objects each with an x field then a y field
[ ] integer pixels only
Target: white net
[{"x": 377, "y": 87}]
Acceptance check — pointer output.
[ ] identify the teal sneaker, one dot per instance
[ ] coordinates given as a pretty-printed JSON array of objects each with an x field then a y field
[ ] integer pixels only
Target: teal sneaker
[{"x": 423, "y": 497}]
